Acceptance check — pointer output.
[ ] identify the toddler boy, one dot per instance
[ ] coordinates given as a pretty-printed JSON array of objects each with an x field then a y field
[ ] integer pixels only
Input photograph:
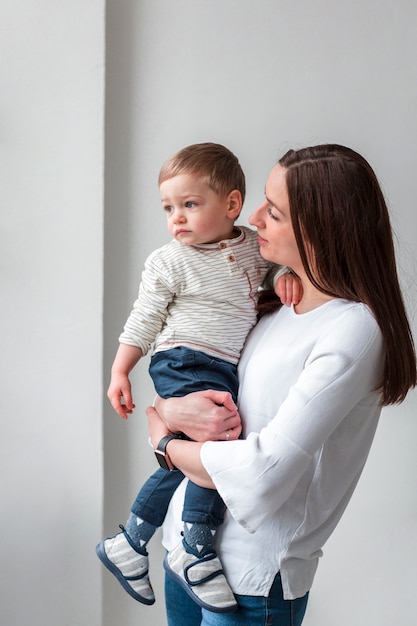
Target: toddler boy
[{"x": 196, "y": 303}]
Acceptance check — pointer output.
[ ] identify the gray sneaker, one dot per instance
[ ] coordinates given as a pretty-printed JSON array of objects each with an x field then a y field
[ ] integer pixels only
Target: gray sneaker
[
  {"x": 202, "y": 578},
  {"x": 128, "y": 565}
]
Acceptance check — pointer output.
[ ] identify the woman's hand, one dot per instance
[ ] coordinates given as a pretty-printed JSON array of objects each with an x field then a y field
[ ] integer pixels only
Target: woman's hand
[
  {"x": 203, "y": 415},
  {"x": 157, "y": 428},
  {"x": 184, "y": 455}
]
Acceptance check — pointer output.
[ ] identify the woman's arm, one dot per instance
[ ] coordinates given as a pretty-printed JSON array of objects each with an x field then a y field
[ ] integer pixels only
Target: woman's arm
[
  {"x": 183, "y": 455},
  {"x": 204, "y": 416}
]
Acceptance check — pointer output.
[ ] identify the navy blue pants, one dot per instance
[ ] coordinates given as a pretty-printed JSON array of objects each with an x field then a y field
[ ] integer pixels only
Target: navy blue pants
[{"x": 176, "y": 373}]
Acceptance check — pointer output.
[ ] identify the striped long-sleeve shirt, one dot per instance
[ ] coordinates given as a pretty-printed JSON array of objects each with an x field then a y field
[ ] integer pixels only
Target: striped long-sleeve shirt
[{"x": 202, "y": 297}]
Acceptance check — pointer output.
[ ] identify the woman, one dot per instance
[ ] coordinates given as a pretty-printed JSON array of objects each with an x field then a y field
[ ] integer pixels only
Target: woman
[{"x": 313, "y": 379}]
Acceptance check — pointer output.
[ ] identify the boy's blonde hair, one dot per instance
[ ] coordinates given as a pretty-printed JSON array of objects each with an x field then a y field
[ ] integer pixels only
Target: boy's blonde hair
[{"x": 217, "y": 165}]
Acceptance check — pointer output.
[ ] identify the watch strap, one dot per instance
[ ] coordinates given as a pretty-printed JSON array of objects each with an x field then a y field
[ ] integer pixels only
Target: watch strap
[{"x": 161, "y": 453}]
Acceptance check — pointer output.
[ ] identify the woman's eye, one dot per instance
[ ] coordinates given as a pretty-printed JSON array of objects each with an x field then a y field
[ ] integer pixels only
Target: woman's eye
[{"x": 272, "y": 215}]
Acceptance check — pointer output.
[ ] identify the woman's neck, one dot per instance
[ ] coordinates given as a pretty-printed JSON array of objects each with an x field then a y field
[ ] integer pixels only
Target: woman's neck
[{"x": 311, "y": 299}]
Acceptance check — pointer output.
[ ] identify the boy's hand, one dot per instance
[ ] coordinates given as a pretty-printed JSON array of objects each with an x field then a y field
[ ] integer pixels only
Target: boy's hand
[
  {"x": 120, "y": 395},
  {"x": 288, "y": 289}
]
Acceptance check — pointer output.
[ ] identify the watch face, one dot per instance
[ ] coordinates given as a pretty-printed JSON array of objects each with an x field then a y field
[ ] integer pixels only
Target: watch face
[{"x": 162, "y": 461}]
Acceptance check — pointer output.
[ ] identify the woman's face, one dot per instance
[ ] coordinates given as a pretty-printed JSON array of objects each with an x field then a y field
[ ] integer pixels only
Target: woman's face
[{"x": 273, "y": 223}]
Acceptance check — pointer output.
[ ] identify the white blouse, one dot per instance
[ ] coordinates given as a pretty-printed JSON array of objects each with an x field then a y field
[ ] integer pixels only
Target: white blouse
[{"x": 309, "y": 407}]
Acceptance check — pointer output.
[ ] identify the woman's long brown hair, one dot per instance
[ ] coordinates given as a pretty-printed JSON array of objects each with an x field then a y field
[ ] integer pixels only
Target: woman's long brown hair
[{"x": 338, "y": 210}]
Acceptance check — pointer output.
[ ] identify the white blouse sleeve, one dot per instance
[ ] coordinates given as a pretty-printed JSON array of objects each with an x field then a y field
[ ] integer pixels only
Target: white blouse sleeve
[{"x": 257, "y": 475}]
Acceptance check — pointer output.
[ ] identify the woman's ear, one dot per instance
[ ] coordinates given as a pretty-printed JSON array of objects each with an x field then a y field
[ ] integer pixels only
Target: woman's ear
[{"x": 234, "y": 204}]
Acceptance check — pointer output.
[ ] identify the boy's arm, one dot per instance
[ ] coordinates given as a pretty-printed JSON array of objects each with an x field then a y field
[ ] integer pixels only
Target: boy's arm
[{"x": 120, "y": 389}]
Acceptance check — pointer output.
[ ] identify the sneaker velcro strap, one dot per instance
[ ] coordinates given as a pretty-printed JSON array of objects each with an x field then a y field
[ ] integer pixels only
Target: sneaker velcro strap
[{"x": 204, "y": 559}]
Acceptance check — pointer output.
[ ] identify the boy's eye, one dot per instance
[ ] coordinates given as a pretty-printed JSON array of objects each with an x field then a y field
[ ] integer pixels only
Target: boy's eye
[
  {"x": 168, "y": 208},
  {"x": 190, "y": 204}
]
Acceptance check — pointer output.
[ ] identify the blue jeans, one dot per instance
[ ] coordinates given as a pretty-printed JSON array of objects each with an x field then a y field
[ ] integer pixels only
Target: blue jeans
[
  {"x": 179, "y": 371},
  {"x": 201, "y": 505},
  {"x": 175, "y": 373},
  {"x": 252, "y": 611}
]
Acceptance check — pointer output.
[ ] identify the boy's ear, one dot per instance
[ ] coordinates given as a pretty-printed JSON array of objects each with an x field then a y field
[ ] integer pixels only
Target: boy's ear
[{"x": 235, "y": 204}]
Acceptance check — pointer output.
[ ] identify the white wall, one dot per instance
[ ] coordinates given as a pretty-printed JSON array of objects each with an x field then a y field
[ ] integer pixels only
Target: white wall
[
  {"x": 52, "y": 102},
  {"x": 261, "y": 77}
]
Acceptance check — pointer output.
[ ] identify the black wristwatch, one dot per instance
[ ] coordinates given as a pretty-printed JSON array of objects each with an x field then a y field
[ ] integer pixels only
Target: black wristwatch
[{"x": 161, "y": 451}]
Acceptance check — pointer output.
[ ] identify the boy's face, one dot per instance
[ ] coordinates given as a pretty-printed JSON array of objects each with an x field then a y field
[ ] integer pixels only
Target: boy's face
[{"x": 195, "y": 213}]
